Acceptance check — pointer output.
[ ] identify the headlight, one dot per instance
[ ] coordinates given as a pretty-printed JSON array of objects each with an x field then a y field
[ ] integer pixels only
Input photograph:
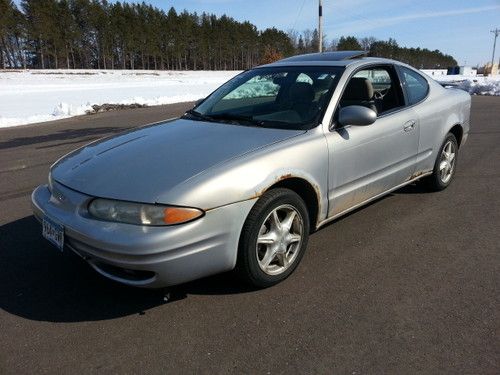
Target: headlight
[{"x": 141, "y": 214}]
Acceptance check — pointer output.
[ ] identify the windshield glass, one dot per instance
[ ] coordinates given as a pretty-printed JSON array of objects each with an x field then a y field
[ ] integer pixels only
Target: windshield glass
[{"x": 278, "y": 97}]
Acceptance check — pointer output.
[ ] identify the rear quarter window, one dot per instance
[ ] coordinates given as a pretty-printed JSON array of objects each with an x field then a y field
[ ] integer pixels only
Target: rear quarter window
[{"x": 416, "y": 86}]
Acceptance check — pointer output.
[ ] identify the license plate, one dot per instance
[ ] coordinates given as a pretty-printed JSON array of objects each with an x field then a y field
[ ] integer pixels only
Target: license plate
[{"x": 53, "y": 232}]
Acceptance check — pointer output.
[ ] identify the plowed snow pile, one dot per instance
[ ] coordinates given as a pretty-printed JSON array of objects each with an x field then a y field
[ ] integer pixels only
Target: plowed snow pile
[
  {"x": 44, "y": 95},
  {"x": 473, "y": 85}
]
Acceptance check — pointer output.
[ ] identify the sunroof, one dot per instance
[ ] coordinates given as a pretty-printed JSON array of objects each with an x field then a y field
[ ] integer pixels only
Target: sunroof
[{"x": 327, "y": 56}]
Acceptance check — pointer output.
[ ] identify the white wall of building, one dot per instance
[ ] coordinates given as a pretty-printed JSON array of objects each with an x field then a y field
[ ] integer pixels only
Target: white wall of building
[
  {"x": 468, "y": 71},
  {"x": 435, "y": 72}
]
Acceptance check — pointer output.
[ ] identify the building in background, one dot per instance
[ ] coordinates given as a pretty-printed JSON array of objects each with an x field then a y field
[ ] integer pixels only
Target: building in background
[
  {"x": 435, "y": 72},
  {"x": 490, "y": 69},
  {"x": 463, "y": 70}
]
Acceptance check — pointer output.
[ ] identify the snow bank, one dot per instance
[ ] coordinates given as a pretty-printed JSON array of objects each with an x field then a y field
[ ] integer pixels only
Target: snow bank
[
  {"x": 44, "y": 95},
  {"x": 473, "y": 85},
  {"x": 254, "y": 90}
]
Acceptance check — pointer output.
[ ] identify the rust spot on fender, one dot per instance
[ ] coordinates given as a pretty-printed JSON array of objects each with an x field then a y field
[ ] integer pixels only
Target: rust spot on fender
[
  {"x": 278, "y": 179},
  {"x": 284, "y": 177},
  {"x": 256, "y": 195},
  {"x": 320, "y": 207},
  {"x": 416, "y": 175},
  {"x": 317, "y": 191}
]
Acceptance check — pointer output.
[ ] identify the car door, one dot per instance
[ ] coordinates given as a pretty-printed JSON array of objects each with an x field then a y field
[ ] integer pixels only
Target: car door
[
  {"x": 366, "y": 161},
  {"x": 417, "y": 90}
]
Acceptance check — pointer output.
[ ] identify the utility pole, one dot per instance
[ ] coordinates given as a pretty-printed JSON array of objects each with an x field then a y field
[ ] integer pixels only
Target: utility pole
[
  {"x": 496, "y": 32},
  {"x": 320, "y": 26}
]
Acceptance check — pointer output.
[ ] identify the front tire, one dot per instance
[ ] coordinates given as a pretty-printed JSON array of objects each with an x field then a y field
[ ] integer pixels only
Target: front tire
[
  {"x": 273, "y": 239},
  {"x": 445, "y": 165}
]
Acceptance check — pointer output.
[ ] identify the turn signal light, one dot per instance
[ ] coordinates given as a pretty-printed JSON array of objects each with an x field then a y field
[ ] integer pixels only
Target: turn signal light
[{"x": 178, "y": 215}]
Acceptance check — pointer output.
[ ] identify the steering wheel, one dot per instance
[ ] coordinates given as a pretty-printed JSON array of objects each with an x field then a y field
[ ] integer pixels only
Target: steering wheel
[{"x": 380, "y": 94}]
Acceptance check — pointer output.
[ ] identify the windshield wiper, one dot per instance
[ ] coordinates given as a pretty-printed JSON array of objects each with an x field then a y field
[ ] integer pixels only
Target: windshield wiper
[
  {"x": 192, "y": 113},
  {"x": 223, "y": 117},
  {"x": 237, "y": 118}
]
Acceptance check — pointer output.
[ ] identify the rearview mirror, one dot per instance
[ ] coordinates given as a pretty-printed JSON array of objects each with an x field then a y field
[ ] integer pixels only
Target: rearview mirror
[{"x": 357, "y": 115}]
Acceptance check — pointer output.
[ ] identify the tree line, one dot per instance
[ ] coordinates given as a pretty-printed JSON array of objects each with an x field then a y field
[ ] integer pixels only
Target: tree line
[
  {"x": 97, "y": 34},
  {"x": 422, "y": 58},
  {"x": 91, "y": 34}
]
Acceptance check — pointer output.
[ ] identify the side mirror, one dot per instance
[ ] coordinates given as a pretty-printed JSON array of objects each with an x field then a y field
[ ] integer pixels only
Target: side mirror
[
  {"x": 198, "y": 102},
  {"x": 357, "y": 115}
]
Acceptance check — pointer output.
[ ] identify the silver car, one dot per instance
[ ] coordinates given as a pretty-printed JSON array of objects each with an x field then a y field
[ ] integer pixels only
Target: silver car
[{"x": 240, "y": 181}]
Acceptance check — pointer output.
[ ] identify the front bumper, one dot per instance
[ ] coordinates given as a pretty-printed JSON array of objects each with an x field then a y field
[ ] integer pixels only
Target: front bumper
[{"x": 143, "y": 256}]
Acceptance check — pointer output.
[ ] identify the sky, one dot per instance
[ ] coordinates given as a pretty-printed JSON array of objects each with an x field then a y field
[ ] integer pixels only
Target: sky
[{"x": 460, "y": 28}]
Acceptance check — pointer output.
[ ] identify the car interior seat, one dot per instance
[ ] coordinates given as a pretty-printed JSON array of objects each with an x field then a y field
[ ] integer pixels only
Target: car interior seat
[
  {"x": 321, "y": 87},
  {"x": 301, "y": 97},
  {"x": 359, "y": 91}
]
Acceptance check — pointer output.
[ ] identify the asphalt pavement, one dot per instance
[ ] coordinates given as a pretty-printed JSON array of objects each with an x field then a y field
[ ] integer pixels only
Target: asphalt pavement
[{"x": 409, "y": 284}]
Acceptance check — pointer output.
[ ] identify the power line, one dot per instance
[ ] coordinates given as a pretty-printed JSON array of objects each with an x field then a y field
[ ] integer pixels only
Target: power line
[{"x": 298, "y": 15}]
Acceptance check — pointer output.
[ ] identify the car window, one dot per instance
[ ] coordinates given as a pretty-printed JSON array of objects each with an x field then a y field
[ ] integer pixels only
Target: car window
[
  {"x": 256, "y": 87},
  {"x": 379, "y": 78},
  {"x": 283, "y": 97},
  {"x": 376, "y": 88},
  {"x": 304, "y": 78},
  {"x": 416, "y": 85}
]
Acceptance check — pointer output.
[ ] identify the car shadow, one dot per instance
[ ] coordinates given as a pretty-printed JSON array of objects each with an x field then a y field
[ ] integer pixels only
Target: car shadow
[
  {"x": 38, "y": 282},
  {"x": 414, "y": 188}
]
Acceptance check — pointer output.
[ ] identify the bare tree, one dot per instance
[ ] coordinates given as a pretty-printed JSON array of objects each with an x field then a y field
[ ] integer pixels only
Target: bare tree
[
  {"x": 333, "y": 45},
  {"x": 367, "y": 42},
  {"x": 293, "y": 35}
]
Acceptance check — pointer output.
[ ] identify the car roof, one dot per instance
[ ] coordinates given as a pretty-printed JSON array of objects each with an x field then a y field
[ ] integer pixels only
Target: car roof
[
  {"x": 336, "y": 58},
  {"x": 327, "y": 56}
]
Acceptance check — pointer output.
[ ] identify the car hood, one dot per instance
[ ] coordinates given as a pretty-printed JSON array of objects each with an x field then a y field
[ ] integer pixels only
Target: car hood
[{"x": 142, "y": 164}]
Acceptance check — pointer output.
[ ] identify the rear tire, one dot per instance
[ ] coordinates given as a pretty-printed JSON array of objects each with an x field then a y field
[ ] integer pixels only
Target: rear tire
[
  {"x": 445, "y": 165},
  {"x": 273, "y": 239}
]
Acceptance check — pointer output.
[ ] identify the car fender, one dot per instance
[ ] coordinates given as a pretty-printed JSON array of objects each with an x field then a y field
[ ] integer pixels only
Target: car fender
[
  {"x": 438, "y": 114},
  {"x": 458, "y": 114},
  {"x": 251, "y": 175}
]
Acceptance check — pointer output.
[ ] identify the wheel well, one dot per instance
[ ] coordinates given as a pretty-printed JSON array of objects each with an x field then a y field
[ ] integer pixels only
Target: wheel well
[
  {"x": 306, "y": 191},
  {"x": 457, "y": 131}
]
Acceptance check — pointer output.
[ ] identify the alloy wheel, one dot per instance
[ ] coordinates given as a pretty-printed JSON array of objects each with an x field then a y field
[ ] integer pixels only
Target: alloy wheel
[
  {"x": 447, "y": 162},
  {"x": 279, "y": 239}
]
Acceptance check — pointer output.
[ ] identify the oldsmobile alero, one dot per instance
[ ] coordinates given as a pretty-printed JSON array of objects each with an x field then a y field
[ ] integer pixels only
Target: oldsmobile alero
[{"x": 239, "y": 181}]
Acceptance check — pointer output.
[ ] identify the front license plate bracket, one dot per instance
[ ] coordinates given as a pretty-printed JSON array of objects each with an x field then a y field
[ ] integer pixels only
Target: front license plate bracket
[{"x": 53, "y": 232}]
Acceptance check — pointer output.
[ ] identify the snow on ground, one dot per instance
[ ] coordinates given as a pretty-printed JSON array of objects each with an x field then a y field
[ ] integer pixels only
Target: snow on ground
[
  {"x": 44, "y": 95},
  {"x": 473, "y": 85}
]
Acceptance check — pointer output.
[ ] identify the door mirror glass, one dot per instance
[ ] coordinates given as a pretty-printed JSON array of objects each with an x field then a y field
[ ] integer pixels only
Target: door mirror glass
[{"x": 356, "y": 115}]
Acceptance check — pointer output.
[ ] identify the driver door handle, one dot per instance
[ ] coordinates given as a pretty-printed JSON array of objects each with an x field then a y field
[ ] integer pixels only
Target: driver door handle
[{"x": 409, "y": 125}]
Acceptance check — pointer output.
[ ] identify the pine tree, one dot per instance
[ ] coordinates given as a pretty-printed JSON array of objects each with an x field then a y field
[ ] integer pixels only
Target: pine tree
[
  {"x": 97, "y": 34},
  {"x": 348, "y": 43}
]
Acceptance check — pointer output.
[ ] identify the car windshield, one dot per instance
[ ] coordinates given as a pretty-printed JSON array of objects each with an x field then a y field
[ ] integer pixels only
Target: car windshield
[{"x": 277, "y": 97}]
